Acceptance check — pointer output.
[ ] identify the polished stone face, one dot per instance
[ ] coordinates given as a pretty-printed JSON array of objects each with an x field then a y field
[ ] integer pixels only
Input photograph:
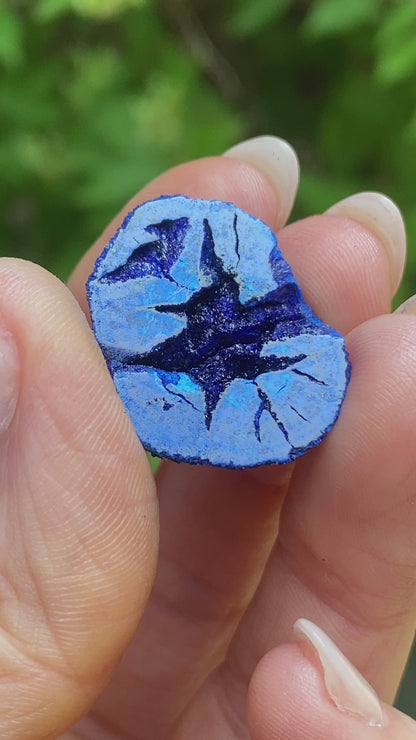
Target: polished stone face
[{"x": 211, "y": 346}]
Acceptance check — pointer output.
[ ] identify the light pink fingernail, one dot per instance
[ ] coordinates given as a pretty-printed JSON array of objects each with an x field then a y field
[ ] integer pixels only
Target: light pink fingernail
[
  {"x": 9, "y": 366},
  {"x": 347, "y": 688}
]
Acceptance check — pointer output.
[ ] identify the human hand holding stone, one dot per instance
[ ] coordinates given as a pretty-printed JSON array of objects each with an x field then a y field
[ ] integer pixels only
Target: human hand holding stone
[{"x": 212, "y": 652}]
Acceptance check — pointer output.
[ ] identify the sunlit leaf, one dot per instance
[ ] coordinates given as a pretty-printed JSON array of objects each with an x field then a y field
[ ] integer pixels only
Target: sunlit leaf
[
  {"x": 155, "y": 462},
  {"x": 11, "y": 37},
  {"x": 397, "y": 63},
  {"x": 104, "y": 9},
  {"x": 398, "y": 23},
  {"x": 396, "y": 44},
  {"x": 250, "y": 17},
  {"x": 159, "y": 111},
  {"x": 96, "y": 72},
  {"x": 332, "y": 17},
  {"x": 48, "y": 10}
]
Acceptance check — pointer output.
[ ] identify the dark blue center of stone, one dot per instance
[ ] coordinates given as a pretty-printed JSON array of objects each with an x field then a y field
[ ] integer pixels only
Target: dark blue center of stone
[
  {"x": 157, "y": 257},
  {"x": 223, "y": 338}
]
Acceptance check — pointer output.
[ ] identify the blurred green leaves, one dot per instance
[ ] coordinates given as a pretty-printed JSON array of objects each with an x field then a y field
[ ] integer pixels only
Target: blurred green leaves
[
  {"x": 251, "y": 17},
  {"x": 96, "y": 102},
  {"x": 396, "y": 43},
  {"x": 48, "y": 10},
  {"x": 11, "y": 37},
  {"x": 330, "y": 17}
]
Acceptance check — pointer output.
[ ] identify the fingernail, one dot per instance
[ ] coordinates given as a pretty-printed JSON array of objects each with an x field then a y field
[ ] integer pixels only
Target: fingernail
[
  {"x": 347, "y": 688},
  {"x": 408, "y": 306},
  {"x": 8, "y": 379},
  {"x": 278, "y": 162},
  {"x": 379, "y": 214}
]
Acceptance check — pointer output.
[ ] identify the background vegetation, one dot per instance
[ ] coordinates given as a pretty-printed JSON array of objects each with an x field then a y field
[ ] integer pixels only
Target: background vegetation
[{"x": 99, "y": 96}]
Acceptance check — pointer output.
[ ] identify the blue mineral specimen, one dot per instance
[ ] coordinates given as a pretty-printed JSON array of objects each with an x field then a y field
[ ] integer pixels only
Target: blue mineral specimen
[{"x": 211, "y": 346}]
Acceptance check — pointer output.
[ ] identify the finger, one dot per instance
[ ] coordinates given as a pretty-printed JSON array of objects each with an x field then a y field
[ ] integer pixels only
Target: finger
[
  {"x": 345, "y": 556},
  {"x": 343, "y": 269},
  {"x": 297, "y": 693},
  {"x": 382, "y": 217},
  {"x": 278, "y": 162},
  {"x": 79, "y": 521},
  {"x": 344, "y": 274}
]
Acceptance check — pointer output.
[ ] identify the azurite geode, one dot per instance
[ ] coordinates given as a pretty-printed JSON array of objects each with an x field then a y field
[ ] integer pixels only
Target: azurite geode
[{"x": 211, "y": 346}]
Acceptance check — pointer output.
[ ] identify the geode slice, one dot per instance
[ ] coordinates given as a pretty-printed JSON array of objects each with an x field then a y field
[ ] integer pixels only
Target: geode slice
[{"x": 211, "y": 346}]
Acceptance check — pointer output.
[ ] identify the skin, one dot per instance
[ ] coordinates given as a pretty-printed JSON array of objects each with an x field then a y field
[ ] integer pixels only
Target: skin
[{"x": 198, "y": 587}]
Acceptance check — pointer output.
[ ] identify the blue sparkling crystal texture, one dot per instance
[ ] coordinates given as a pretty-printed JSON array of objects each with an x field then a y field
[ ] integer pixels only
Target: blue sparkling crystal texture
[{"x": 211, "y": 346}]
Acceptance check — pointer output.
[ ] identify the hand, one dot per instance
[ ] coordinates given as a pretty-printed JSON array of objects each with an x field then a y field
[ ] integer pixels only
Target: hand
[{"x": 211, "y": 654}]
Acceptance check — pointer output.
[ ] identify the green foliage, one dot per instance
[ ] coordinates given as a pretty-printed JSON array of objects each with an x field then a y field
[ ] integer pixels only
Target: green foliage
[
  {"x": 46, "y": 10},
  {"x": 251, "y": 17},
  {"x": 154, "y": 462},
  {"x": 11, "y": 37},
  {"x": 330, "y": 17},
  {"x": 396, "y": 41}
]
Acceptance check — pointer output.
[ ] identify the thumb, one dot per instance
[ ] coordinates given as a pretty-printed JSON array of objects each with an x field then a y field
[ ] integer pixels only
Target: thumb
[
  {"x": 310, "y": 691},
  {"x": 78, "y": 512}
]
